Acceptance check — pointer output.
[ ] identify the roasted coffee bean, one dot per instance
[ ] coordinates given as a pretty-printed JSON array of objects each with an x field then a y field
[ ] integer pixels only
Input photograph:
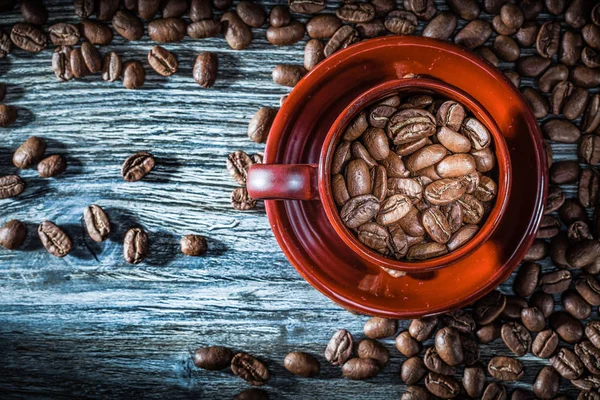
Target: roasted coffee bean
[
  {"x": 532, "y": 66},
  {"x": 589, "y": 288},
  {"x": 505, "y": 368},
  {"x": 135, "y": 245},
  {"x": 237, "y": 34},
  {"x": 360, "y": 368},
  {"x": 546, "y": 383},
  {"x": 563, "y": 172},
  {"x": 200, "y": 10},
  {"x": 34, "y": 12},
  {"x": 487, "y": 54},
  {"x": 393, "y": 209},
  {"x": 97, "y": 223},
  {"x": 302, "y": 364},
  {"x": 434, "y": 363},
  {"x": 213, "y": 358},
  {"x": 506, "y": 48},
  {"x": 527, "y": 34},
  {"x": 205, "y": 69},
  {"x": 574, "y": 105},
  {"x": 568, "y": 328},
  {"x": 561, "y": 131},
  {"x": 454, "y": 214},
  {"x": 527, "y": 279},
  {"x": 27, "y": 37},
  {"x": 448, "y": 346},
  {"x": 415, "y": 393},
  {"x": 279, "y": 16},
  {"x": 477, "y": 133},
  {"x": 533, "y": 319},
  {"x": 372, "y": 349},
  {"x": 555, "y": 282},
  {"x": 589, "y": 185},
  {"x": 545, "y": 343},
  {"x": 537, "y": 251},
  {"x": 554, "y": 74},
  {"x": 413, "y": 370},
  {"x": 548, "y": 38},
  {"x": 11, "y": 186},
  {"x": 78, "y": 67},
  {"x": 147, "y": 9},
  {"x": 411, "y": 224},
  {"x": 340, "y": 347},
  {"x": 423, "y": 9},
  {"x": 134, "y": 75},
  {"x": 13, "y": 234},
  {"x": 54, "y": 239},
  {"x": 575, "y": 305},
  {"x": 567, "y": 364},
  {"x": 5, "y": 45},
  {"x": 340, "y": 190},
  {"x": 441, "y": 27},
  {"x": 538, "y": 102},
  {"x": 374, "y": 236},
  {"x": 424, "y": 157},
  {"x": 84, "y": 8},
  {"x": 128, "y": 25},
  {"x": 358, "y": 178},
  {"x": 356, "y": 12},
  {"x": 582, "y": 254},
  {"x": 426, "y": 251},
  {"x": 462, "y": 236},
  {"x": 466, "y": 9},
  {"x": 322, "y": 26},
  {"x": 456, "y": 165},
  {"x": 260, "y": 124},
  {"x": 590, "y": 57},
  {"x": 407, "y": 345},
  {"x": 555, "y": 7},
  {"x": 474, "y": 34},
  {"x": 174, "y": 8},
  {"x": 401, "y": 22},
  {"x": 61, "y": 63},
  {"x": 423, "y": 328},
  {"x": 91, "y": 57},
  {"x": 167, "y": 30},
  {"x": 372, "y": 29},
  {"x": 288, "y": 74},
  {"x": 222, "y": 4},
  {"x": 105, "y": 9},
  {"x": 587, "y": 383},
  {"x": 204, "y": 29},
  {"x": 460, "y": 320},
  {"x": 29, "y": 153},
  {"x": 63, "y": 34},
  {"x": 442, "y": 386},
  {"x": 250, "y": 369},
  {"x": 409, "y": 125},
  {"x": 111, "y": 67},
  {"x": 253, "y": 14},
  {"x": 137, "y": 166},
  {"x": 376, "y": 143},
  {"x": 286, "y": 35},
  {"x": 591, "y": 117},
  {"x": 592, "y": 332},
  {"x": 51, "y": 166},
  {"x": 514, "y": 305},
  {"x": 488, "y": 333},
  {"x": 589, "y": 149},
  {"x": 193, "y": 245},
  {"x": 307, "y": 6},
  {"x": 162, "y": 61},
  {"x": 238, "y": 163},
  {"x": 516, "y": 337},
  {"x": 501, "y": 28},
  {"x": 96, "y": 32},
  {"x": 585, "y": 77},
  {"x": 494, "y": 391},
  {"x": 341, "y": 156},
  {"x": 489, "y": 307},
  {"x": 591, "y": 36},
  {"x": 471, "y": 349},
  {"x": 579, "y": 231},
  {"x": 474, "y": 380},
  {"x": 549, "y": 227}
]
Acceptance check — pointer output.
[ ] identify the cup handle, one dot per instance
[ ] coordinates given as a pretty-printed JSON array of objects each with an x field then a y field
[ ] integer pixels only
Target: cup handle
[{"x": 283, "y": 181}]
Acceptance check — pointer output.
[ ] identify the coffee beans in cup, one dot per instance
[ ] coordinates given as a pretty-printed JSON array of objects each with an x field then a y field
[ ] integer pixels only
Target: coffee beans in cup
[{"x": 414, "y": 176}]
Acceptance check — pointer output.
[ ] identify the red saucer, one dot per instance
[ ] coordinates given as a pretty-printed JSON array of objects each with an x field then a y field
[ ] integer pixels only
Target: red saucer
[{"x": 302, "y": 228}]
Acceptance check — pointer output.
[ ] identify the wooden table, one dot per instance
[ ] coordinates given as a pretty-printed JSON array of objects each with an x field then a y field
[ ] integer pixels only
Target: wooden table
[{"x": 90, "y": 325}]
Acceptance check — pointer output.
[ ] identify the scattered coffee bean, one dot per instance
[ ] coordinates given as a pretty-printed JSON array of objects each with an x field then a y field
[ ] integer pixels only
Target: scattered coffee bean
[
  {"x": 13, "y": 234},
  {"x": 52, "y": 166},
  {"x": 279, "y": 16},
  {"x": 307, "y": 6},
  {"x": 407, "y": 345},
  {"x": 488, "y": 333},
  {"x": 205, "y": 69},
  {"x": 567, "y": 364},
  {"x": 29, "y": 153},
  {"x": 241, "y": 201},
  {"x": 545, "y": 343},
  {"x": 322, "y": 26},
  {"x": 97, "y": 223},
  {"x": 286, "y": 35},
  {"x": 162, "y": 61},
  {"x": 302, "y": 364},
  {"x": 413, "y": 370},
  {"x": 342, "y": 38},
  {"x": 252, "y": 14},
  {"x": 204, "y": 29},
  {"x": 505, "y": 368},
  {"x": 288, "y": 74},
  {"x": 63, "y": 34},
  {"x": 137, "y": 166},
  {"x": 360, "y": 368},
  {"x": 237, "y": 34},
  {"x": 474, "y": 34},
  {"x": 134, "y": 75},
  {"x": 340, "y": 347},
  {"x": 378, "y": 328},
  {"x": 250, "y": 369},
  {"x": 369, "y": 348},
  {"x": 128, "y": 25},
  {"x": 568, "y": 328},
  {"x": 84, "y": 8},
  {"x": 200, "y": 10},
  {"x": 516, "y": 337},
  {"x": 466, "y": 9},
  {"x": 423, "y": 328},
  {"x": 96, "y": 32},
  {"x": 441, "y": 27},
  {"x": 135, "y": 245},
  {"x": 174, "y": 8},
  {"x": 54, "y": 239}
]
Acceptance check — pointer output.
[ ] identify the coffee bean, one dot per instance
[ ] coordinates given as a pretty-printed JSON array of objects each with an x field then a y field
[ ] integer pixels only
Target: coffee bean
[
  {"x": 96, "y": 32},
  {"x": 533, "y": 319},
  {"x": 51, "y": 166},
  {"x": 378, "y": 328},
  {"x": 302, "y": 364},
  {"x": 238, "y": 164},
  {"x": 63, "y": 34},
  {"x": 260, "y": 124},
  {"x": 506, "y": 48},
  {"x": 356, "y": 12},
  {"x": 543, "y": 302},
  {"x": 527, "y": 279},
  {"x": 589, "y": 185},
  {"x": 11, "y": 186},
  {"x": 97, "y": 223},
  {"x": 505, "y": 368},
  {"x": 590, "y": 57},
  {"x": 454, "y": 214},
  {"x": 537, "y": 251},
  {"x": 105, "y": 9},
  {"x": 415, "y": 393},
  {"x": 204, "y": 29},
  {"x": 5, "y": 45},
  {"x": 554, "y": 74},
  {"x": 413, "y": 370},
  {"x": 591, "y": 117},
  {"x": 474, "y": 380},
  {"x": 91, "y": 57},
  {"x": 587, "y": 383},
  {"x": 563, "y": 172},
  {"x": 585, "y": 77},
  {"x": 288, "y": 74},
  {"x": 237, "y": 34},
  {"x": 372, "y": 349},
  {"x": 514, "y": 305},
  {"x": 423, "y": 328},
  {"x": 474, "y": 34},
  {"x": 205, "y": 69},
  {"x": 174, "y": 8},
  {"x": 252, "y": 394},
  {"x": 13, "y": 234},
  {"x": 111, "y": 67},
  {"x": 592, "y": 332},
  {"x": 407, "y": 345},
  {"x": 29, "y": 153},
  {"x": 434, "y": 363},
  {"x": 538, "y": 103},
  {"x": 250, "y": 369},
  {"x": 313, "y": 54},
  {"x": 545, "y": 343},
  {"x": 589, "y": 149},
  {"x": 579, "y": 231},
  {"x": 527, "y": 34},
  {"x": 441, "y": 27},
  {"x": 61, "y": 63},
  {"x": 27, "y": 37},
  {"x": 401, "y": 22},
  {"x": 134, "y": 75},
  {"x": 128, "y": 25},
  {"x": 306, "y": 6},
  {"x": 546, "y": 383},
  {"x": 568, "y": 328},
  {"x": 488, "y": 308},
  {"x": 222, "y": 4},
  {"x": 279, "y": 16},
  {"x": 84, "y": 8},
  {"x": 200, "y": 10},
  {"x": 374, "y": 236},
  {"x": 595, "y": 15},
  {"x": 548, "y": 38},
  {"x": 575, "y": 305},
  {"x": 372, "y": 29},
  {"x": 567, "y": 364},
  {"x": 449, "y": 347},
  {"x": 582, "y": 254},
  {"x": 561, "y": 131},
  {"x": 54, "y": 239},
  {"x": 340, "y": 347},
  {"x": 462, "y": 236},
  {"x": 78, "y": 67},
  {"x": 162, "y": 61},
  {"x": 487, "y": 54},
  {"x": 34, "y": 12},
  {"x": 167, "y": 30},
  {"x": 466, "y": 9},
  {"x": 488, "y": 333},
  {"x": 212, "y": 358},
  {"x": 286, "y": 35},
  {"x": 147, "y": 9},
  {"x": 591, "y": 36},
  {"x": 442, "y": 386},
  {"x": 532, "y": 66},
  {"x": 135, "y": 245},
  {"x": 549, "y": 227},
  {"x": 252, "y": 14},
  {"x": 516, "y": 337},
  {"x": 137, "y": 166},
  {"x": 555, "y": 282},
  {"x": 322, "y": 26},
  {"x": 589, "y": 289},
  {"x": 193, "y": 245},
  {"x": 360, "y": 368}
]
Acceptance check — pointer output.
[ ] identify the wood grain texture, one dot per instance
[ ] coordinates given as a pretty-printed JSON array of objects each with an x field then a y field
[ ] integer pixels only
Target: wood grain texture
[{"x": 91, "y": 326}]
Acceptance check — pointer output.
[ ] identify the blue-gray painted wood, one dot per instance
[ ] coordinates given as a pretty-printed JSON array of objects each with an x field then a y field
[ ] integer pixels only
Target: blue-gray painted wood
[{"x": 92, "y": 326}]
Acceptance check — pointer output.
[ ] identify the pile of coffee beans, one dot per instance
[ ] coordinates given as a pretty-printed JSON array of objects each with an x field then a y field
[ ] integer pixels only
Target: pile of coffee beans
[{"x": 411, "y": 176}]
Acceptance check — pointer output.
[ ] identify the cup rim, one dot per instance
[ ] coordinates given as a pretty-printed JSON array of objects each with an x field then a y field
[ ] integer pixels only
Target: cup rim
[{"x": 502, "y": 159}]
